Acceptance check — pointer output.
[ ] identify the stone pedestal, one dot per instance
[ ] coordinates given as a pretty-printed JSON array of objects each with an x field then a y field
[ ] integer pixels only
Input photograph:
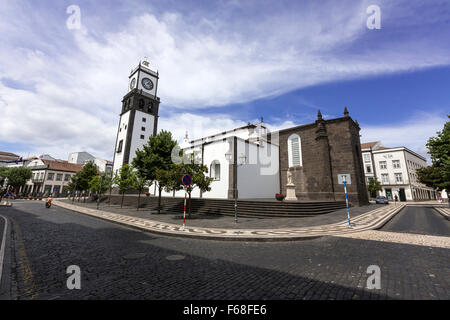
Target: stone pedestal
[{"x": 290, "y": 192}]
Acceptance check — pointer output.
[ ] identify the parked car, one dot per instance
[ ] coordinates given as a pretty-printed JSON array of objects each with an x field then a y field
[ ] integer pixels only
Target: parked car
[{"x": 381, "y": 200}]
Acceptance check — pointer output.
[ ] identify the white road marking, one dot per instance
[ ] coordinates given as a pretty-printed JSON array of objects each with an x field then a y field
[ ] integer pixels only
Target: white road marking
[{"x": 2, "y": 248}]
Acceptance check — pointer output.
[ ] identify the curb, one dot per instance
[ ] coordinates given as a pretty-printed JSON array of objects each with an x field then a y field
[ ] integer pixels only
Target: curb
[
  {"x": 445, "y": 212},
  {"x": 167, "y": 229}
]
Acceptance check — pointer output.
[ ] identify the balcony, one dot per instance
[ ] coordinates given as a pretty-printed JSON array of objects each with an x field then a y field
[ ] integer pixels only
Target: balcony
[{"x": 37, "y": 180}]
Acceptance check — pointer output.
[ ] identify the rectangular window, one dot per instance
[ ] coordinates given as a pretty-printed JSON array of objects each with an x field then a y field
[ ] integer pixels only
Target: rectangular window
[
  {"x": 59, "y": 177},
  {"x": 366, "y": 157},
  {"x": 144, "y": 119},
  {"x": 143, "y": 128},
  {"x": 142, "y": 136},
  {"x": 368, "y": 169},
  {"x": 119, "y": 148},
  {"x": 67, "y": 177},
  {"x": 50, "y": 176},
  {"x": 383, "y": 165},
  {"x": 385, "y": 178},
  {"x": 398, "y": 178},
  {"x": 396, "y": 164}
]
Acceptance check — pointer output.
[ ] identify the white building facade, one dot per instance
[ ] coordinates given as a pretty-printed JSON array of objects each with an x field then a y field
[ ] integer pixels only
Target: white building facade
[
  {"x": 395, "y": 169},
  {"x": 239, "y": 160}
]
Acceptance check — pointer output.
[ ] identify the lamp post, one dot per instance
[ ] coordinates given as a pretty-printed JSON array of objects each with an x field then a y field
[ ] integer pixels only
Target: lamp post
[{"x": 242, "y": 160}]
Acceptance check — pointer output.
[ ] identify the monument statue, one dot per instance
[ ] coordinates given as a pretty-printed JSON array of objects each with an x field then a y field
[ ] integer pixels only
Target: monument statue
[{"x": 290, "y": 186}]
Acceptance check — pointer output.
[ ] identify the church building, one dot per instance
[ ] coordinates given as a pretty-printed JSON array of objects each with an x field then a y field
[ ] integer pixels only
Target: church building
[{"x": 304, "y": 162}]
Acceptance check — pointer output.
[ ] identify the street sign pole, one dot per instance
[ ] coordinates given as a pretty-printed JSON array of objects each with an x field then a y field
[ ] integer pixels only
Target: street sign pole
[
  {"x": 346, "y": 200},
  {"x": 186, "y": 180},
  {"x": 184, "y": 209}
]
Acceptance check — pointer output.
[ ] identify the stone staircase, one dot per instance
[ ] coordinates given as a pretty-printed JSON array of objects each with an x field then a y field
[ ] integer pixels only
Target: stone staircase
[{"x": 246, "y": 208}]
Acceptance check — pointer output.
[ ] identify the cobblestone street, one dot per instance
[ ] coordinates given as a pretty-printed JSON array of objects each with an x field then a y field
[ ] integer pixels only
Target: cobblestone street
[{"x": 117, "y": 262}]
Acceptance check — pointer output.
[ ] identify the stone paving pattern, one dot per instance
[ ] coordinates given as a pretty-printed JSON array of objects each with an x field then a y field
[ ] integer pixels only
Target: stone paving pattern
[
  {"x": 219, "y": 221},
  {"x": 369, "y": 220},
  {"x": 121, "y": 263}
]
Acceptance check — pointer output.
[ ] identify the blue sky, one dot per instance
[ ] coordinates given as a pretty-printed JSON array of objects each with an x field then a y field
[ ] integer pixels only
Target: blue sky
[{"x": 222, "y": 64}]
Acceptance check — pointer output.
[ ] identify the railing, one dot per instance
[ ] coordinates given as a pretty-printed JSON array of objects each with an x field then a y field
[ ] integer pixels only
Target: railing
[{"x": 37, "y": 180}]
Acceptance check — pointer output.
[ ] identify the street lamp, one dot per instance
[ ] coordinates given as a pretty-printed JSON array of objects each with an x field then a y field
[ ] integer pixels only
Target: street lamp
[{"x": 242, "y": 161}]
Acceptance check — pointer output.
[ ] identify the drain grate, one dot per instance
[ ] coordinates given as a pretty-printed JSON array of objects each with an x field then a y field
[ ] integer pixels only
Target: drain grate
[
  {"x": 133, "y": 256},
  {"x": 175, "y": 257}
]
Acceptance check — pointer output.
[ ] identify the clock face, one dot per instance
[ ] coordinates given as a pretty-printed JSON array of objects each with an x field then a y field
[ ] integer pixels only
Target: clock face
[
  {"x": 132, "y": 83},
  {"x": 147, "y": 83}
]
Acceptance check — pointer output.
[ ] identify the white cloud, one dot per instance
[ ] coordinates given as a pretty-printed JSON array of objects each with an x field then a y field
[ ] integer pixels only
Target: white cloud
[
  {"x": 72, "y": 82},
  {"x": 412, "y": 133}
]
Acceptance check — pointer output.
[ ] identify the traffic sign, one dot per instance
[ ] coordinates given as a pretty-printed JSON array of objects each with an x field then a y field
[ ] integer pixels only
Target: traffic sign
[
  {"x": 344, "y": 177},
  {"x": 186, "y": 180}
]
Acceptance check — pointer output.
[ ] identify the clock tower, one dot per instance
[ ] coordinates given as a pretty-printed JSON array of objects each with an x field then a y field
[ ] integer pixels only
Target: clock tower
[{"x": 139, "y": 115}]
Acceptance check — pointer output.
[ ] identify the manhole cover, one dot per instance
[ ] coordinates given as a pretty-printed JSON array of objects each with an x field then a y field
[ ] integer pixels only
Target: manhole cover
[
  {"x": 133, "y": 256},
  {"x": 175, "y": 257}
]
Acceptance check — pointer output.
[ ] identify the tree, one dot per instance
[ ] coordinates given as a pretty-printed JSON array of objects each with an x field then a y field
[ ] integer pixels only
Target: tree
[
  {"x": 140, "y": 183},
  {"x": 156, "y": 154},
  {"x": 73, "y": 185},
  {"x": 99, "y": 185},
  {"x": 125, "y": 180},
  {"x": 84, "y": 176},
  {"x": 18, "y": 176},
  {"x": 3, "y": 175},
  {"x": 373, "y": 186},
  {"x": 198, "y": 173},
  {"x": 437, "y": 175}
]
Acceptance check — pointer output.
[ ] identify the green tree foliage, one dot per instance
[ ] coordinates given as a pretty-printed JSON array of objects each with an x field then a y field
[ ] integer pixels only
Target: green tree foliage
[
  {"x": 17, "y": 176},
  {"x": 155, "y": 155},
  {"x": 86, "y": 174},
  {"x": 3, "y": 175},
  {"x": 125, "y": 180},
  {"x": 140, "y": 183},
  {"x": 73, "y": 186},
  {"x": 437, "y": 175},
  {"x": 373, "y": 186},
  {"x": 198, "y": 173},
  {"x": 99, "y": 185}
]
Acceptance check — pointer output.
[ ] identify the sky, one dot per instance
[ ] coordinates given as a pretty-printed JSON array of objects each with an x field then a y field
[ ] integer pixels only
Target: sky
[{"x": 222, "y": 64}]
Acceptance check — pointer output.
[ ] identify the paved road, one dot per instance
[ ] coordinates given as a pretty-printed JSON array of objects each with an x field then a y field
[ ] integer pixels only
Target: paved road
[
  {"x": 420, "y": 220},
  {"x": 121, "y": 263}
]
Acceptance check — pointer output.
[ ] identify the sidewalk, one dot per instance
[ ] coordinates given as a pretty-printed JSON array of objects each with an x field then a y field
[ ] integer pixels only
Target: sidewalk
[{"x": 370, "y": 220}]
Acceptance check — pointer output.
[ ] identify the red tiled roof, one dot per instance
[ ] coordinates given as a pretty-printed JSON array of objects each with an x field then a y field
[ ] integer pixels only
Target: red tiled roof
[
  {"x": 8, "y": 154},
  {"x": 368, "y": 145},
  {"x": 63, "y": 166}
]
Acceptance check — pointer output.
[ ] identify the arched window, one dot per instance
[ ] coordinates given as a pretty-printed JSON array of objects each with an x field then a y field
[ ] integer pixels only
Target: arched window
[
  {"x": 294, "y": 150},
  {"x": 215, "y": 170}
]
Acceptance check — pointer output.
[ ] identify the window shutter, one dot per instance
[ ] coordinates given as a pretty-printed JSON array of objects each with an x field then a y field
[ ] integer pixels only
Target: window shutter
[{"x": 295, "y": 147}]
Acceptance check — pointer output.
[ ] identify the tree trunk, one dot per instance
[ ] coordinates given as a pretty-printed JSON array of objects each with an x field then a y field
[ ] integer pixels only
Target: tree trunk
[
  {"x": 139, "y": 200},
  {"x": 109, "y": 201},
  {"x": 121, "y": 203},
  {"x": 98, "y": 201},
  {"x": 159, "y": 200},
  {"x": 189, "y": 204}
]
